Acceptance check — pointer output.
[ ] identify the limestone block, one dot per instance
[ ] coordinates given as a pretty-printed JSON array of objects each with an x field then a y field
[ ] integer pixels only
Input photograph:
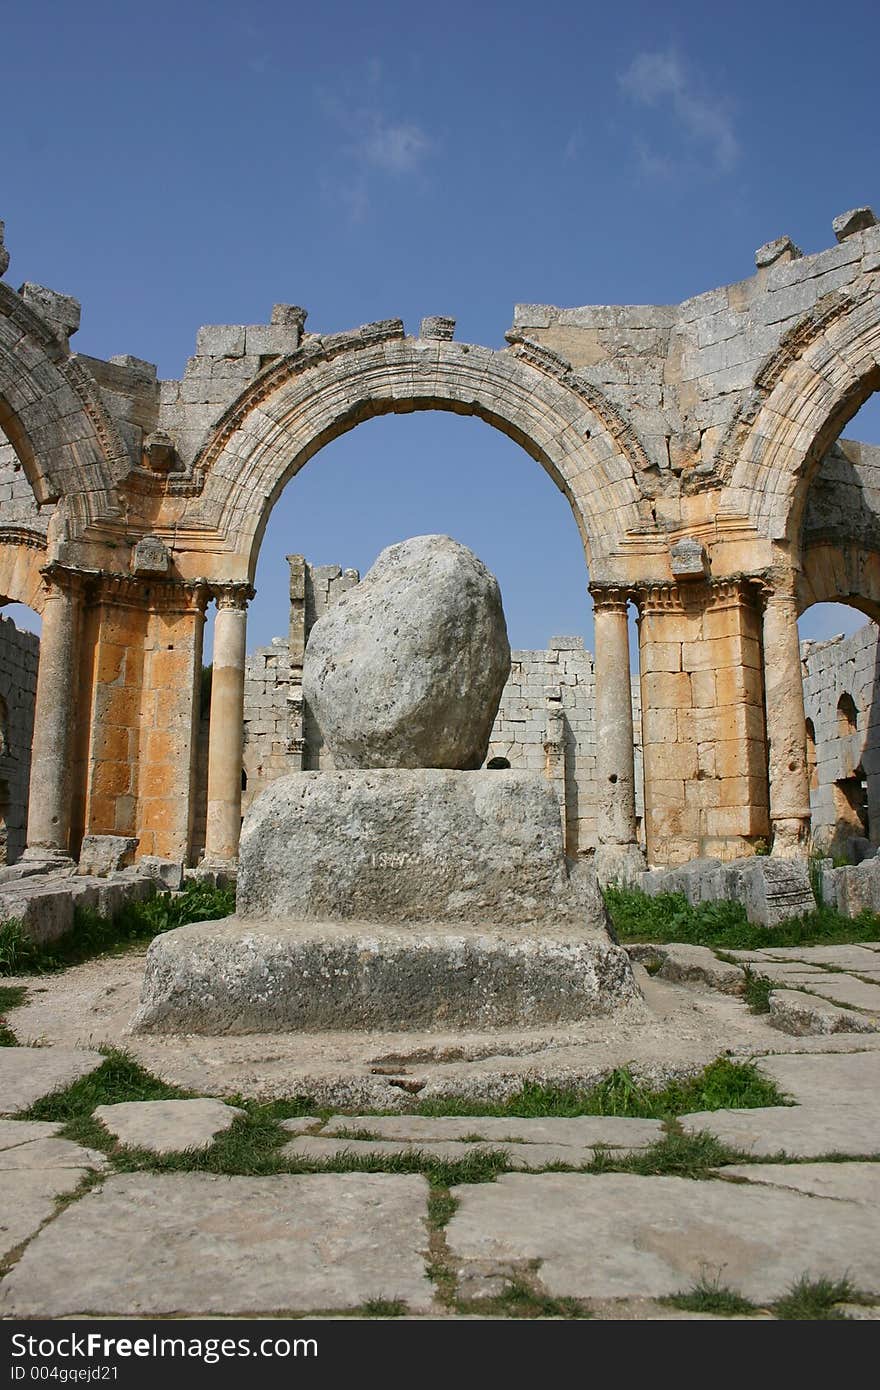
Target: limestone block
[
  {"x": 856, "y": 220},
  {"x": 782, "y": 249},
  {"x": 807, "y": 1015},
  {"x": 167, "y": 1126},
  {"x": 425, "y": 845},
  {"x": 104, "y": 854},
  {"x": 407, "y": 668},
  {"x": 244, "y": 976},
  {"x": 684, "y": 964},
  {"x": 168, "y": 872}
]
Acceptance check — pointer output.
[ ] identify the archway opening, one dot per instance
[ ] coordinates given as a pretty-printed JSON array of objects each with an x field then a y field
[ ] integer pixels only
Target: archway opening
[
  {"x": 841, "y": 672},
  {"x": 401, "y": 475}
]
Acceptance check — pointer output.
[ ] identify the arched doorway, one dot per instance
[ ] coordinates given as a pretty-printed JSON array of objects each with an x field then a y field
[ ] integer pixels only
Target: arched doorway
[{"x": 271, "y": 432}]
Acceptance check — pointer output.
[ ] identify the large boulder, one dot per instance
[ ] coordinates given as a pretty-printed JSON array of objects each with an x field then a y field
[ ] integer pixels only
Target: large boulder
[
  {"x": 406, "y": 670},
  {"x": 425, "y": 845}
]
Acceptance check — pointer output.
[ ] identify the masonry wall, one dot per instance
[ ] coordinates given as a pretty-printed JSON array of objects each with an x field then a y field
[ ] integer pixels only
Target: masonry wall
[
  {"x": 19, "y": 659},
  {"x": 845, "y": 765}
]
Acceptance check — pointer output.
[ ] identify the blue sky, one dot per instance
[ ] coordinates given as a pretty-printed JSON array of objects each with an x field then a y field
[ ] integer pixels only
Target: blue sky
[{"x": 172, "y": 165}]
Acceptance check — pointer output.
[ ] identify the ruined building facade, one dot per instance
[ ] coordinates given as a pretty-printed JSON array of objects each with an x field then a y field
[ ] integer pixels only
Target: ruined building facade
[{"x": 696, "y": 444}]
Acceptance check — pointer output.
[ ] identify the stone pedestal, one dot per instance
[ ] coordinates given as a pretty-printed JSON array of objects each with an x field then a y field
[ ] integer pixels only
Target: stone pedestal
[{"x": 395, "y": 899}]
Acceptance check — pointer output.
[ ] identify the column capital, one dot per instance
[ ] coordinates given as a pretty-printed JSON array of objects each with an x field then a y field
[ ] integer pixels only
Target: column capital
[
  {"x": 234, "y": 596},
  {"x": 67, "y": 579},
  {"x": 610, "y": 598},
  {"x": 779, "y": 586}
]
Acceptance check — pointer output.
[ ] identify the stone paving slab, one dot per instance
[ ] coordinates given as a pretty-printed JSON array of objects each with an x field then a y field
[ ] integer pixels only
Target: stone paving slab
[
  {"x": 50, "y": 1153},
  {"x": 800, "y": 1014},
  {"x": 15, "y": 1132},
  {"x": 845, "y": 1076},
  {"x": 196, "y": 1243},
  {"x": 519, "y": 1156},
  {"x": 800, "y": 1131},
  {"x": 27, "y": 1073},
  {"x": 851, "y": 1182},
  {"x": 321, "y": 1148},
  {"x": 843, "y": 989},
  {"x": 27, "y": 1199},
  {"x": 583, "y": 1130},
  {"x": 841, "y": 957},
  {"x": 621, "y": 1235},
  {"x": 779, "y": 971},
  {"x": 167, "y": 1126}
]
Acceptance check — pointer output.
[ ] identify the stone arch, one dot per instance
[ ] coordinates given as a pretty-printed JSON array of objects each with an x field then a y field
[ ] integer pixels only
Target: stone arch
[
  {"x": 833, "y": 573},
  {"x": 22, "y": 557},
  {"x": 825, "y": 368},
  {"x": 52, "y": 413},
  {"x": 326, "y": 388}
]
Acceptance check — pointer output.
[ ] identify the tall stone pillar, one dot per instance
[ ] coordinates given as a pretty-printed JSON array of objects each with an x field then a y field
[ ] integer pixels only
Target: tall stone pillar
[
  {"x": 49, "y": 797},
  {"x": 618, "y": 855},
  {"x": 226, "y": 737},
  {"x": 789, "y": 774}
]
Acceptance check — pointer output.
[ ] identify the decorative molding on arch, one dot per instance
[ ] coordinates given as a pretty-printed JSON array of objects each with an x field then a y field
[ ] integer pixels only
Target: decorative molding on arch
[
  {"x": 22, "y": 558},
  {"x": 299, "y": 404},
  {"x": 824, "y": 368},
  {"x": 53, "y": 414}
]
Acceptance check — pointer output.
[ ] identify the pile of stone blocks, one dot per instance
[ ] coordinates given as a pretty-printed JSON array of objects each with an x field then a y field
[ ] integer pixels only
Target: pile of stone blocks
[{"x": 770, "y": 889}]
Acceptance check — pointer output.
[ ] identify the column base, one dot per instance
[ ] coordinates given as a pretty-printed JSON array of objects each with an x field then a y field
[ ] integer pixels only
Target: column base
[
  {"x": 791, "y": 837},
  {"x": 620, "y": 864}
]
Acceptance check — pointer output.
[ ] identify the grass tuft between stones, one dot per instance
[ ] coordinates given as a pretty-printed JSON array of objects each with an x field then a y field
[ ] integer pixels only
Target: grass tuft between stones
[
  {"x": 722, "y": 1085},
  {"x": 521, "y": 1298},
  {"x": 757, "y": 991},
  {"x": 807, "y": 1300},
  {"x": 11, "y": 997},
  {"x": 252, "y": 1145}
]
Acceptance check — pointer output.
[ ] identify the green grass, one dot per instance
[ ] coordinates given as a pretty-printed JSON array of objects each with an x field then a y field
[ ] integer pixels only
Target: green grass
[
  {"x": 722, "y": 1085},
  {"x": 812, "y": 1300},
  {"x": 11, "y": 996},
  {"x": 757, "y": 991},
  {"x": 711, "y": 1296},
  {"x": 520, "y": 1300},
  {"x": 808, "y": 1300},
  {"x": 94, "y": 935},
  {"x": 724, "y": 925},
  {"x": 253, "y": 1143}
]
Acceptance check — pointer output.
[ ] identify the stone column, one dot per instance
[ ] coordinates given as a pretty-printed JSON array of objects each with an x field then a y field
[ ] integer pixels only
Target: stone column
[
  {"x": 789, "y": 774},
  {"x": 618, "y": 855},
  {"x": 226, "y": 737},
  {"x": 49, "y": 797}
]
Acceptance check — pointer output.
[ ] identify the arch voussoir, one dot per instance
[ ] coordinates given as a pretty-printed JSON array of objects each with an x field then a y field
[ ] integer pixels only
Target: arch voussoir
[{"x": 282, "y": 421}]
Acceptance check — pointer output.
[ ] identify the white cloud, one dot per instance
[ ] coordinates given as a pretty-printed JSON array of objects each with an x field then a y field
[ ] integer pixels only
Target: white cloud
[
  {"x": 661, "y": 78},
  {"x": 395, "y": 148},
  {"x": 372, "y": 144}
]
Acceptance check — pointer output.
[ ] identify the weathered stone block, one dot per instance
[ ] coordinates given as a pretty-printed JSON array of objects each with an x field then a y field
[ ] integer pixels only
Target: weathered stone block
[
  {"x": 104, "y": 854},
  {"x": 426, "y": 845},
  {"x": 239, "y": 976}
]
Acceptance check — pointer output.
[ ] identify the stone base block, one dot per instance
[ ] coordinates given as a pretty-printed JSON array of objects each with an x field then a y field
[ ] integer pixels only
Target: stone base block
[{"x": 236, "y": 976}]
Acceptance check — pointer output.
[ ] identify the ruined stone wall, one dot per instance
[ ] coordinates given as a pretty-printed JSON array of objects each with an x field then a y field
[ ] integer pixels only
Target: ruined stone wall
[
  {"x": 546, "y": 723},
  {"x": 844, "y": 752},
  {"x": 19, "y": 659}
]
